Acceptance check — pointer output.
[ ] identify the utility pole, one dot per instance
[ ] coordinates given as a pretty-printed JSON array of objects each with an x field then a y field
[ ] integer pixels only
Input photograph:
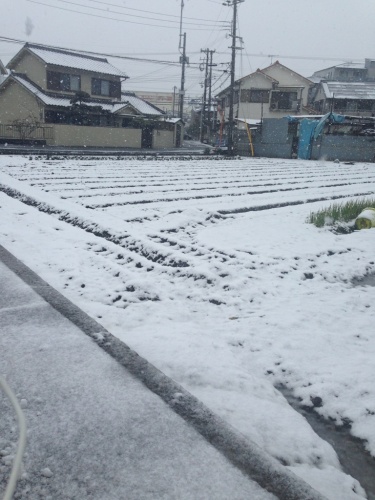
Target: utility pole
[
  {"x": 209, "y": 122},
  {"x": 233, "y": 4},
  {"x": 174, "y": 101},
  {"x": 183, "y": 61},
  {"x": 204, "y": 99}
]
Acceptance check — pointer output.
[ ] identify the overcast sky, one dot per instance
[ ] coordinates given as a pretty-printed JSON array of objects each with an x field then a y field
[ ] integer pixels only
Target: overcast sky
[{"x": 303, "y": 34}]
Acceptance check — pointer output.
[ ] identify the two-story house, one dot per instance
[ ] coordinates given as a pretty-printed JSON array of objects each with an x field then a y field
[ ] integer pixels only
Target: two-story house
[
  {"x": 68, "y": 98},
  {"x": 272, "y": 92}
]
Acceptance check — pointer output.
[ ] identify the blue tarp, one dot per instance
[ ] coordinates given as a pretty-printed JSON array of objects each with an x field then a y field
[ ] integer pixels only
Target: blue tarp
[
  {"x": 332, "y": 117},
  {"x": 309, "y": 130},
  {"x": 306, "y": 133}
]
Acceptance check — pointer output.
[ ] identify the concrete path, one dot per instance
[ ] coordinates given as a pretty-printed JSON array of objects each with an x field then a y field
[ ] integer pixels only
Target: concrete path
[{"x": 94, "y": 427}]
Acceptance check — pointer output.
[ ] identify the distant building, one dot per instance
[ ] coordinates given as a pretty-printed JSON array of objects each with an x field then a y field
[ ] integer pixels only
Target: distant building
[
  {"x": 347, "y": 88},
  {"x": 347, "y": 72},
  {"x": 348, "y": 98},
  {"x": 166, "y": 101}
]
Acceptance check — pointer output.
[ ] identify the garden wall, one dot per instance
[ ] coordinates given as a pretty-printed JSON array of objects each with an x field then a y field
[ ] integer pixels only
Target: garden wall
[
  {"x": 344, "y": 148},
  {"x": 76, "y": 135}
]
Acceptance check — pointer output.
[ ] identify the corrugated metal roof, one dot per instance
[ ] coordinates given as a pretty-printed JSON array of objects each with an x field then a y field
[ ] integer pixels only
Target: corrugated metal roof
[
  {"x": 75, "y": 61},
  {"x": 349, "y": 90},
  {"x": 139, "y": 104}
]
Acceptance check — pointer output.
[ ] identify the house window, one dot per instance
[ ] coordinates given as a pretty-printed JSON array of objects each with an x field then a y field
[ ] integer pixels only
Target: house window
[
  {"x": 255, "y": 95},
  {"x": 75, "y": 83},
  {"x": 351, "y": 106},
  {"x": 364, "y": 105},
  {"x": 284, "y": 100},
  {"x": 127, "y": 122},
  {"x": 56, "y": 117},
  {"x": 63, "y": 81},
  {"x": 245, "y": 95},
  {"x": 106, "y": 88},
  {"x": 259, "y": 95}
]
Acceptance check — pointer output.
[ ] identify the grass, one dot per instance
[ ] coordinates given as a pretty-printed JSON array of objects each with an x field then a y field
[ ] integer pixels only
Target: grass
[{"x": 338, "y": 213}]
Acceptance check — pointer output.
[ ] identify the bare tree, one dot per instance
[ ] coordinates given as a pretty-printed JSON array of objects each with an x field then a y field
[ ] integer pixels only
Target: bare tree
[{"x": 25, "y": 127}]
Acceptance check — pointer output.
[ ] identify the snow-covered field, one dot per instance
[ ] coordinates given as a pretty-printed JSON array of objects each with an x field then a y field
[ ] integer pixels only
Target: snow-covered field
[{"x": 207, "y": 268}]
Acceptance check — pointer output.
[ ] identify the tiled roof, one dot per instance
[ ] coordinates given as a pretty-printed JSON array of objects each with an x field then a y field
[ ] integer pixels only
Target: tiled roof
[
  {"x": 73, "y": 60},
  {"x": 142, "y": 106},
  {"x": 46, "y": 99},
  {"x": 139, "y": 104},
  {"x": 352, "y": 90}
]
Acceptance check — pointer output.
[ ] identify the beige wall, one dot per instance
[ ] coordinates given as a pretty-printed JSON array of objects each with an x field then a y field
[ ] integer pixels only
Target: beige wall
[
  {"x": 74, "y": 135},
  {"x": 287, "y": 77},
  {"x": 256, "y": 82},
  {"x": 163, "y": 139},
  {"x": 252, "y": 110},
  {"x": 33, "y": 67},
  {"x": 16, "y": 103}
]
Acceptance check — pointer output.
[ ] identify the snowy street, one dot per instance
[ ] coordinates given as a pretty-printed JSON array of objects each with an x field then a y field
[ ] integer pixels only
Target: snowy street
[{"x": 208, "y": 269}]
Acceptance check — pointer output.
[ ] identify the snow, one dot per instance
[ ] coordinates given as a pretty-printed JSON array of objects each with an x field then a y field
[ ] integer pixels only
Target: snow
[
  {"x": 93, "y": 430},
  {"x": 75, "y": 60},
  {"x": 209, "y": 270}
]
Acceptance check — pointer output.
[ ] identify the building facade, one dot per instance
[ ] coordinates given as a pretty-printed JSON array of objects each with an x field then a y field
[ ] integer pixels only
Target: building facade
[
  {"x": 68, "y": 98},
  {"x": 272, "y": 92}
]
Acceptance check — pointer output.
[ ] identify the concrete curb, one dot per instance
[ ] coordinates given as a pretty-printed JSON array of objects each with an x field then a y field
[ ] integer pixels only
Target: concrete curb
[{"x": 240, "y": 451}]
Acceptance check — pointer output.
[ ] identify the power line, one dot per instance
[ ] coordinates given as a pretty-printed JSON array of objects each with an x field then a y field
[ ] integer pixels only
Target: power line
[
  {"x": 308, "y": 58},
  {"x": 128, "y": 15},
  {"x": 109, "y": 18},
  {"x": 136, "y": 59},
  {"x": 151, "y": 12}
]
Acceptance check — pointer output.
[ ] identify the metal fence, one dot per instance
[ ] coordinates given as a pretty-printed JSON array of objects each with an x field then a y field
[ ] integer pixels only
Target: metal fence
[{"x": 26, "y": 132}]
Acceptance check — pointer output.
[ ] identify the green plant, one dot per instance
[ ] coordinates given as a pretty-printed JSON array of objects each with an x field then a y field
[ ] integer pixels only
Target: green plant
[{"x": 340, "y": 212}]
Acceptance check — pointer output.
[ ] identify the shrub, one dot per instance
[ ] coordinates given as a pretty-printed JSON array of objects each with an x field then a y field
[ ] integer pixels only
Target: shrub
[{"x": 338, "y": 213}]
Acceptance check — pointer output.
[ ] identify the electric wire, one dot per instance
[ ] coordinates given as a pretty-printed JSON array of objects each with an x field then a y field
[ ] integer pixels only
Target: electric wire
[
  {"x": 130, "y": 15},
  {"x": 109, "y": 18},
  {"x": 156, "y": 61},
  {"x": 149, "y": 11}
]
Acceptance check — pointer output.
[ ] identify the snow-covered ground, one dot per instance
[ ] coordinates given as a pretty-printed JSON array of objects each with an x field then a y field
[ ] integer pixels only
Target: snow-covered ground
[{"x": 209, "y": 270}]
